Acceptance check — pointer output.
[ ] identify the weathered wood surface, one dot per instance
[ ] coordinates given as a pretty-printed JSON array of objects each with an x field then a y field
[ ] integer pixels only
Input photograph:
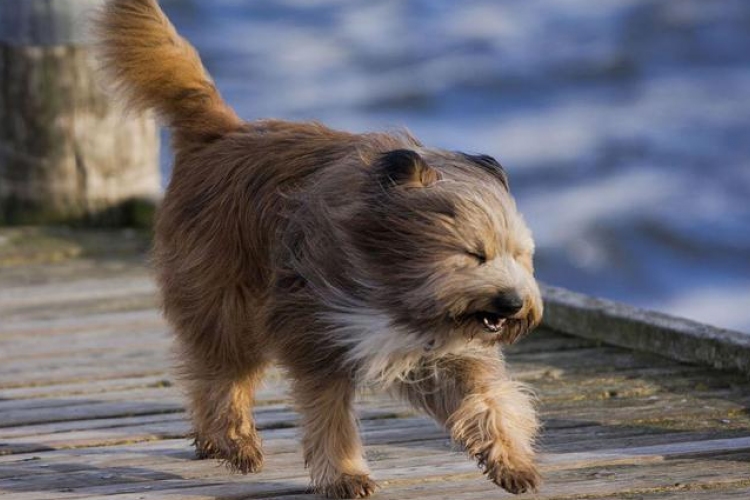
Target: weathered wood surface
[
  {"x": 88, "y": 407},
  {"x": 66, "y": 153},
  {"x": 626, "y": 326}
]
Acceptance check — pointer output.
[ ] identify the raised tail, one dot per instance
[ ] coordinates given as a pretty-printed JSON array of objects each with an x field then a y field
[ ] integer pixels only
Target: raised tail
[{"x": 155, "y": 68}]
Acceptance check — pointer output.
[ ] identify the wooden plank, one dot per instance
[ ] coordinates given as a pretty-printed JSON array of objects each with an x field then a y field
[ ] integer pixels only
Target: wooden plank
[
  {"x": 397, "y": 472},
  {"x": 279, "y": 437},
  {"x": 601, "y": 359},
  {"x": 98, "y": 410},
  {"x": 112, "y": 321},
  {"x": 405, "y": 432},
  {"x": 684, "y": 476},
  {"x": 32, "y": 255},
  {"x": 617, "y": 424},
  {"x": 136, "y": 363},
  {"x": 79, "y": 388},
  {"x": 654, "y": 452},
  {"x": 18, "y": 319},
  {"x": 150, "y": 348},
  {"x": 35, "y": 433},
  {"x": 614, "y": 457},
  {"x": 690, "y": 415},
  {"x": 609, "y": 411},
  {"x": 626, "y": 326},
  {"x": 147, "y": 363},
  {"x": 160, "y": 389},
  {"x": 82, "y": 308},
  {"x": 92, "y": 374},
  {"x": 273, "y": 381},
  {"x": 17, "y": 297},
  {"x": 421, "y": 429},
  {"x": 740, "y": 492},
  {"x": 88, "y": 411},
  {"x": 83, "y": 343}
]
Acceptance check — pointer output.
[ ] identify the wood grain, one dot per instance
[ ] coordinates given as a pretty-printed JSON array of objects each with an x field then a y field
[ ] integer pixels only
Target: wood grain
[{"x": 89, "y": 407}]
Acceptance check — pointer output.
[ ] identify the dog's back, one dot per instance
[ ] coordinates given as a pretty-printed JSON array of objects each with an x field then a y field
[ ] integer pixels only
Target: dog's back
[
  {"x": 153, "y": 68},
  {"x": 218, "y": 231},
  {"x": 213, "y": 251}
]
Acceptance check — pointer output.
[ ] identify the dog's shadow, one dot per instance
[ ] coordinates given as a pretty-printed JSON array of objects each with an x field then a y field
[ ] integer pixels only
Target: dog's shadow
[
  {"x": 114, "y": 470},
  {"x": 66, "y": 478},
  {"x": 141, "y": 449}
]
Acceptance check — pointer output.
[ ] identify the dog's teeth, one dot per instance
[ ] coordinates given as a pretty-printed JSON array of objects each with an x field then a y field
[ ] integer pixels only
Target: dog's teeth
[
  {"x": 490, "y": 326},
  {"x": 493, "y": 326}
]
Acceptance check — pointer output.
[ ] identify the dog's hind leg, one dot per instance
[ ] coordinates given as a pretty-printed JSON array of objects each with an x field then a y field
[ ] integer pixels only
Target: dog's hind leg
[
  {"x": 490, "y": 415},
  {"x": 332, "y": 447},
  {"x": 221, "y": 361},
  {"x": 221, "y": 410}
]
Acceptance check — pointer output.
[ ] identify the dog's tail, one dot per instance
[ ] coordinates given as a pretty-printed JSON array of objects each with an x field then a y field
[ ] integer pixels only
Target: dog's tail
[{"x": 155, "y": 68}]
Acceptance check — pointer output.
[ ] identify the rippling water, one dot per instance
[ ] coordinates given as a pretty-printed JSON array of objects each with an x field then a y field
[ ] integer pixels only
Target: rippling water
[{"x": 624, "y": 125}]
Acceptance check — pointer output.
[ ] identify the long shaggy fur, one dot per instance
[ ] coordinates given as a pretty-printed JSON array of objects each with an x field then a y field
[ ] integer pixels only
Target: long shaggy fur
[
  {"x": 155, "y": 68},
  {"x": 349, "y": 259}
]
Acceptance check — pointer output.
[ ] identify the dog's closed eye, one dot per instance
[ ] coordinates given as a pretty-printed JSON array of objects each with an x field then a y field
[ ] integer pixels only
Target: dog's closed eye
[{"x": 479, "y": 255}]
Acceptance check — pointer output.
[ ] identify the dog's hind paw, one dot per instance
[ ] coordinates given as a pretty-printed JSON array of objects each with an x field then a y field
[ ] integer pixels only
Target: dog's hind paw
[
  {"x": 348, "y": 486},
  {"x": 240, "y": 455}
]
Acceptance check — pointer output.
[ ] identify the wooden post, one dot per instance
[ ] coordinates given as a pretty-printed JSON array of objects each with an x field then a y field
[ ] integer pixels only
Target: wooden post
[{"x": 66, "y": 154}]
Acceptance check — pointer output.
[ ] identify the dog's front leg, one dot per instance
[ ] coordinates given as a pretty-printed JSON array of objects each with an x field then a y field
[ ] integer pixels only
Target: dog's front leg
[
  {"x": 492, "y": 416},
  {"x": 332, "y": 447}
]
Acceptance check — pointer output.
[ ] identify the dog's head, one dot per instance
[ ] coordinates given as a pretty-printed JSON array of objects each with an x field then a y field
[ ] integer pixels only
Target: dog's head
[{"x": 445, "y": 248}]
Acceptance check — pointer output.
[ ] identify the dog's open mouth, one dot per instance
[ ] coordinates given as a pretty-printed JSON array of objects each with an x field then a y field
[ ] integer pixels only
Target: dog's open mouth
[
  {"x": 489, "y": 326},
  {"x": 491, "y": 321}
]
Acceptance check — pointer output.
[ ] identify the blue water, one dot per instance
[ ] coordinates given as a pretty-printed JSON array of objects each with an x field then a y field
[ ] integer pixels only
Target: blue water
[{"x": 624, "y": 125}]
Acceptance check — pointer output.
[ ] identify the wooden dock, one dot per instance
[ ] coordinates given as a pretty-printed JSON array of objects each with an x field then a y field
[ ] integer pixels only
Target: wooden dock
[{"x": 89, "y": 408}]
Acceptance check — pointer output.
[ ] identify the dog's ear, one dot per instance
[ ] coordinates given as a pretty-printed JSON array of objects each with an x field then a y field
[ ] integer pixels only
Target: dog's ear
[
  {"x": 404, "y": 167},
  {"x": 490, "y": 165}
]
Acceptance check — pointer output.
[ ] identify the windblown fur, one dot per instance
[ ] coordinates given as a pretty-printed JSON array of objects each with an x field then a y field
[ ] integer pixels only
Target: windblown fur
[
  {"x": 155, "y": 68},
  {"x": 346, "y": 258}
]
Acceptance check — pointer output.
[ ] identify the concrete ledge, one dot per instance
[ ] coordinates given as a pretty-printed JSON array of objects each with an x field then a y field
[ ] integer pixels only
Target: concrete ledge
[{"x": 626, "y": 326}]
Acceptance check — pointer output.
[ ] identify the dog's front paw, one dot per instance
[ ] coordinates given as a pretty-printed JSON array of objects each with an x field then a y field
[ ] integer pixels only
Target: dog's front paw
[
  {"x": 514, "y": 478},
  {"x": 348, "y": 486}
]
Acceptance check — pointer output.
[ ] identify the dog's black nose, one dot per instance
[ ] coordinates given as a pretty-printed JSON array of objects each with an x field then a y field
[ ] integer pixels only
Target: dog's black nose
[{"x": 507, "y": 303}]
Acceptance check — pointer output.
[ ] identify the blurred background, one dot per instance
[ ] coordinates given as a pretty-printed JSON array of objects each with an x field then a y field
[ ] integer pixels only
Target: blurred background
[{"x": 624, "y": 125}]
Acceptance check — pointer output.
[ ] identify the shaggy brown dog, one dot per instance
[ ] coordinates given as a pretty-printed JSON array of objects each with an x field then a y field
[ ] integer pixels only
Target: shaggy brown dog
[{"x": 348, "y": 259}]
